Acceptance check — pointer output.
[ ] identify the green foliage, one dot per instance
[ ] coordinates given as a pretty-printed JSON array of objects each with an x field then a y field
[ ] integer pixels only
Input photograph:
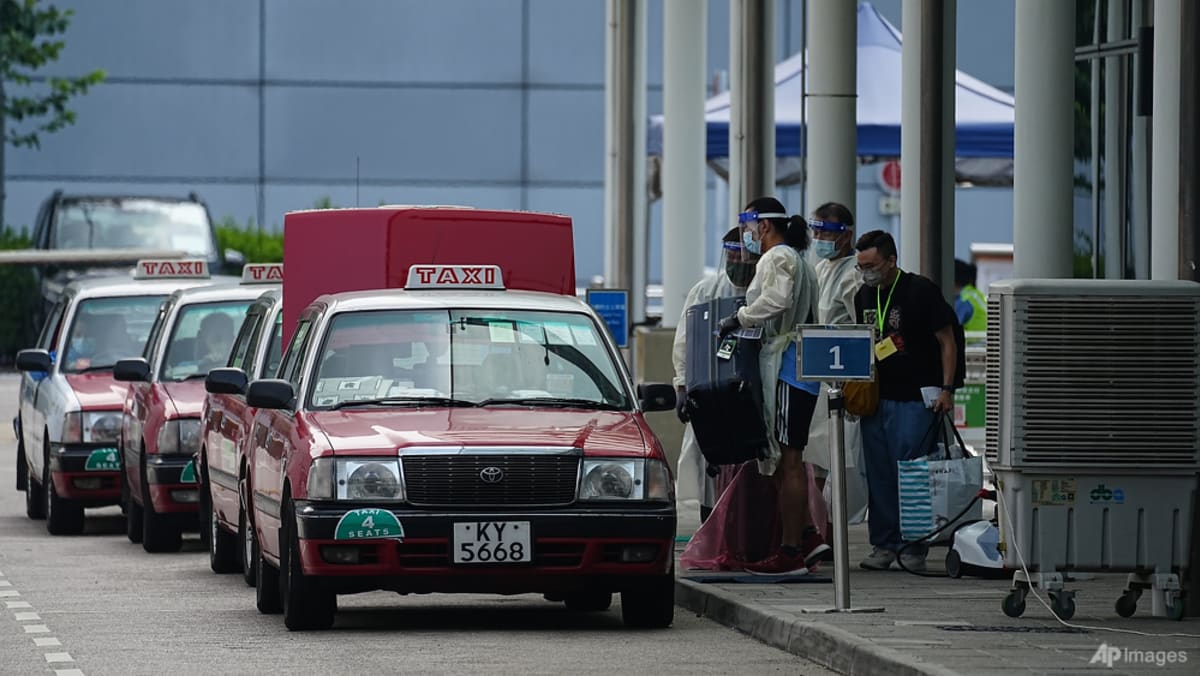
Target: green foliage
[
  {"x": 257, "y": 245},
  {"x": 18, "y": 298},
  {"x": 325, "y": 202},
  {"x": 28, "y": 32}
]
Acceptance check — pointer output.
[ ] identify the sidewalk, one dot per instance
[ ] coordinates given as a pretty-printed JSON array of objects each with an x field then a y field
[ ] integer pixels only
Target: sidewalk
[{"x": 940, "y": 625}]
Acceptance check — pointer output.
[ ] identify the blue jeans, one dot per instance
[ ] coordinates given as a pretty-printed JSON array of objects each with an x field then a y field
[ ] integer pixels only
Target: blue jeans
[{"x": 891, "y": 435}]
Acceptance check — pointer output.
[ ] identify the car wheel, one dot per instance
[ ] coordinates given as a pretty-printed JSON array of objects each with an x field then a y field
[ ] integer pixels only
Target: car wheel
[
  {"x": 306, "y": 604},
  {"x": 35, "y": 500},
  {"x": 222, "y": 545},
  {"x": 266, "y": 592},
  {"x": 22, "y": 464},
  {"x": 133, "y": 512},
  {"x": 63, "y": 517},
  {"x": 651, "y": 606},
  {"x": 247, "y": 543},
  {"x": 160, "y": 533}
]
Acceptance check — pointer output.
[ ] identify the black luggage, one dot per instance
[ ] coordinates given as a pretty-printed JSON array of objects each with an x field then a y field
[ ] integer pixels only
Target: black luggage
[{"x": 724, "y": 387}]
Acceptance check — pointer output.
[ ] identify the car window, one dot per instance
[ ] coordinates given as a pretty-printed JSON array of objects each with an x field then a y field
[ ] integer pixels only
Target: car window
[
  {"x": 49, "y": 336},
  {"x": 155, "y": 331},
  {"x": 104, "y": 330},
  {"x": 275, "y": 347},
  {"x": 290, "y": 370},
  {"x": 243, "y": 346},
  {"x": 132, "y": 224},
  {"x": 202, "y": 338}
]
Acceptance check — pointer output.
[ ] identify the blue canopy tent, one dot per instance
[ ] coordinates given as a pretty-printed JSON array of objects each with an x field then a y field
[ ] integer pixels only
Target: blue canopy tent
[{"x": 983, "y": 114}]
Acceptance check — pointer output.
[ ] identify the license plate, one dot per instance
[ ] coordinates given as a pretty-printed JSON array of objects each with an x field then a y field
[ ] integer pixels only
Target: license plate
[{"x": 492, "y": 542}]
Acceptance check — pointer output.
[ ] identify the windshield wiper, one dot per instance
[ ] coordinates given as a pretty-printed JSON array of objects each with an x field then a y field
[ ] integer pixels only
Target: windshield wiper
[
  {"x": 402, "y": 401},
  {"x": 556, "y": 402},
  {"x": 89, "y": 369}
]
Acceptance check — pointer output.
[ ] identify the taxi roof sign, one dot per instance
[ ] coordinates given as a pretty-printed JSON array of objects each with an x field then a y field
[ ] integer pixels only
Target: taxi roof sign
[
  {"x": 262, "y": 273},
  {"x": 455, "y": 277},
  {"x": 171, "y": 268}
]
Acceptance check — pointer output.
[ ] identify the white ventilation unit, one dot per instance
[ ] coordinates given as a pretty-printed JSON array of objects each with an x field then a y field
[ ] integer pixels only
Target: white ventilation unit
[{"x": 1093, "y": 430}]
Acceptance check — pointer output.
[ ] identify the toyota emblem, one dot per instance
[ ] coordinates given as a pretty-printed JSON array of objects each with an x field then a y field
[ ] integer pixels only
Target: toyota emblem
[{"x": 491, "y": 475}]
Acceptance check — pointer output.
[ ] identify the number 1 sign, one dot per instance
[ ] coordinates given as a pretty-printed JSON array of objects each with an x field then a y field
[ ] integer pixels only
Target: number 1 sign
[{"x": 835, "y": 353}]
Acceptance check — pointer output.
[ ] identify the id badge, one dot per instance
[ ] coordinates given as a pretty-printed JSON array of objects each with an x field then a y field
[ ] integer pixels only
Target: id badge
[
  {"x": 884, "y": 349},
  {"x": 726, "y": 349}
]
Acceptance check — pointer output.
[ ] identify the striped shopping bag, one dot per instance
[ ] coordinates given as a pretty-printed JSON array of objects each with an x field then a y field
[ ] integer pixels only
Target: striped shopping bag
[{"x": 916, "y": 498}]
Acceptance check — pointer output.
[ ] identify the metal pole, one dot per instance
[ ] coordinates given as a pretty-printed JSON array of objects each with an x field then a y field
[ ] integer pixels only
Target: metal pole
[
  {"x": 911, "y": 126},
  {"x": 832, "y": 161},
  {"x": 804, "y": 106},
  {"x": 620, "y": 92},
  {"x": 1095, "y": 124},
  {"x": 1139, "y": 165},
  {"x": 837, "y": 474},
  {"x": 1116, "y": 153},
  {"x": 752, "y": 101},
  {"x": 1164, "y": 172},
  {"x": 683, "y": 152},
  {"x": 1189, "y": 157},
  {"x": 930, "y": 178},
  {"x": 1043, "y": 169}
]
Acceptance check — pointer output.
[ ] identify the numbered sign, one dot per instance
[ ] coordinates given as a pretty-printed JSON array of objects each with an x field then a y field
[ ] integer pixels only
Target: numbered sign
[{"x": 835, "y": 353}]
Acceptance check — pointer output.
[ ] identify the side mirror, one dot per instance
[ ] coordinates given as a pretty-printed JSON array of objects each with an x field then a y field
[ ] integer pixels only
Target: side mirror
[
  {"x": 656, "y": 396},
  {"x": 270, "y": 393},
  {"x": 34, "y": 361},
  {"x": 234, "y": 258},
  {"x": 226, "y": 381},
  {"x": 135, "y": 370}
]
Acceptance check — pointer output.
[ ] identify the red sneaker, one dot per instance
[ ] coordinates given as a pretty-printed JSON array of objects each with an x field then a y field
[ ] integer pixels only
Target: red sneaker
[
  {"x": 778, "y": 563},
  {"x": 815, "y": 549}
]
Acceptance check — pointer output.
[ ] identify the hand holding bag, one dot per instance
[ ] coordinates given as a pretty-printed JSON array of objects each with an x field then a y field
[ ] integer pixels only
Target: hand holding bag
[{"x": 937, "y": 488}]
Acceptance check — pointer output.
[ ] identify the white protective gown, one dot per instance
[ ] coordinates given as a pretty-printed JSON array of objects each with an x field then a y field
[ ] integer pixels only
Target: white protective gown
[
  {"x": 692, "y": 483},
  {"x": 839, "y": 281},
  {"x": 781, "y": 296}
]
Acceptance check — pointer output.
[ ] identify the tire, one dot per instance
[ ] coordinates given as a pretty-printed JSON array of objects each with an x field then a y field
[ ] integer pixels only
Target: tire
[
  {"x": 222, "y": 545},
  {"x": 652, "y": 606},
  {"x": 1063, "y": 606},
  {"x": 1013, "y": 604},
  {"x": 306, "y": 604},
  {"x": 204, "y": 508},
  {"x": 35, "y": 500},
  {"x": 63, "y": 517},
  {"x": 22, "y": 465},
  {"x": 247, "y": 542},
  {"x": 160, "y": 532},
  {"x": 590, "y": 602},
  {"x": 133, "y": 514},
  {"x": 1126, "y": 605},
  {"x": 954, "y": 567},
  {"x": 266, "y": 592}
]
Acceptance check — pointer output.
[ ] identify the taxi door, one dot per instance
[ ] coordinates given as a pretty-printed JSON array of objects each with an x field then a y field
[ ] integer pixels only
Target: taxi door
[
  {"x": 226, "y": 418},
  {"x": 133, "y": 413},
  {"x": 33, "y": 391}
]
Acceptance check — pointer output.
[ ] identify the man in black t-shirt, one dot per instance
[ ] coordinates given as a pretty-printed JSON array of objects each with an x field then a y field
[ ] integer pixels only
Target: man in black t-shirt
[{"x": 915, "y": 349}]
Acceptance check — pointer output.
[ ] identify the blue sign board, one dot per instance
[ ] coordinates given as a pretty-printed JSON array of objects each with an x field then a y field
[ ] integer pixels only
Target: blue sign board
[
  {"x": 613, "y": 307},
  {"x": 836, "y": 353}
]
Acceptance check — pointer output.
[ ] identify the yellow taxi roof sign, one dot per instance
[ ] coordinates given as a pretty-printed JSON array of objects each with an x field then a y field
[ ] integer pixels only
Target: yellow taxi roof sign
[
  {"x": 455, "y": 277},
  {"x": 171, "y": 268},
  {"x": 262, "y": 273}
]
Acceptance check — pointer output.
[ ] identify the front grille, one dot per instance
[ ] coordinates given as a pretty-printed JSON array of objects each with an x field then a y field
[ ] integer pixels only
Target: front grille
[{"x": 524, "y": 479}]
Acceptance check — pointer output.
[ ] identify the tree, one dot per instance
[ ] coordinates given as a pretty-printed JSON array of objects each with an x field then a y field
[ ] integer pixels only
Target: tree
[{"x": 29, "y": 39}]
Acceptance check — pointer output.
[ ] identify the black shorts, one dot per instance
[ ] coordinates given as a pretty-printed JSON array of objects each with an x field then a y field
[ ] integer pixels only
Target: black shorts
[{"x": 793, "y": 415}]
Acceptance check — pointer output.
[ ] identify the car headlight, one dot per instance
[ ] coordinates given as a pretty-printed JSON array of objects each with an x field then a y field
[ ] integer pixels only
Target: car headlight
[
  {"x": 355, "y": 479},
  {"x": 620, "y": 479},
  {"x": 179, "y": 437},
  {"x": 91, "y": 427}
]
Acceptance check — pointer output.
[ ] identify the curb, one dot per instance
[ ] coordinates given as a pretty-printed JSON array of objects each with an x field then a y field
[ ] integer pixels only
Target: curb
[{"x": 833, "y": 648}]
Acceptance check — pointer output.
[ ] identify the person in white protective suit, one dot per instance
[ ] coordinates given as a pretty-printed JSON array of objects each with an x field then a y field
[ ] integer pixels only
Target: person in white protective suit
[
  {"x": 693, "y": 482},
  {"x": 832, "y": 228},
  {"x": 782, "y": 295}
]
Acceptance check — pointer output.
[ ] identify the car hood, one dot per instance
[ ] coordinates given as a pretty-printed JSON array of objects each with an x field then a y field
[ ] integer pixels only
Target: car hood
[
  {"x": 384, "y": 430},
  {"x": 97, "y": 390},
  {"x": 187, "y": 396}
]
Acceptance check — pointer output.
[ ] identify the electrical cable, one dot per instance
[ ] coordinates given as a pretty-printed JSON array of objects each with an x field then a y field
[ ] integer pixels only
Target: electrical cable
[
  {"x": 983, "y": 493},
  {"x": 1033, "y": 590}
]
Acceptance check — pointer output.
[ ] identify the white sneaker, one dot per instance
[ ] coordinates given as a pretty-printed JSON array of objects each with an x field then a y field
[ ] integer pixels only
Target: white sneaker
[
  {"x": 879, "y": 559},
  {"x": 913, "y": 563}
]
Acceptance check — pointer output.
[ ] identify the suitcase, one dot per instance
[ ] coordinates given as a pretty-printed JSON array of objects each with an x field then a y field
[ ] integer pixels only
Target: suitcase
[{"x": 724, "y": 388}]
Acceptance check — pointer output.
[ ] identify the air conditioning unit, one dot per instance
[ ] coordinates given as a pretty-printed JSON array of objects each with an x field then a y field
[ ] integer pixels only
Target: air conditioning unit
[{"x": 1093, "y": 431}]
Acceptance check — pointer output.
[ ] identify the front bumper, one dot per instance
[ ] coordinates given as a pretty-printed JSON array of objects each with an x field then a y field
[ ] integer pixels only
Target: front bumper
[
  {"x": 86, "y": 473},
  {"x": 573, "y": 550},
  {"x": 171, "y": 482}
]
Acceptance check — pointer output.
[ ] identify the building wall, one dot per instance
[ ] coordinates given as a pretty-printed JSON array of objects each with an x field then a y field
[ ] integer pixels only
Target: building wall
[{"x": 265, "y": 106}]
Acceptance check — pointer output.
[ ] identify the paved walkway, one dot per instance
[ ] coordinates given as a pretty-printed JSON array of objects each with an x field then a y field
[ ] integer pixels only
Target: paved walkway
[{"x": 942, "y": 625}]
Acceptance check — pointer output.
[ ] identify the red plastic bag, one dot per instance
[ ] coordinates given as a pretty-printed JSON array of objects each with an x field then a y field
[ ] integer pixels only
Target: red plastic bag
[{"x": 744, "y": 526}]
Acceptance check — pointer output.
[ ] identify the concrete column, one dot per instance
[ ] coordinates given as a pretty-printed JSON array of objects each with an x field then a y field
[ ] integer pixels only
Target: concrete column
[
  {"x": 752, "y": 102},
  {"x": 1116, "y": 155},
  {"x": 625, "y": 150},
  {"x": 1164, "y": 172},
  {"x": 1043, "y": 184},
  {"x": 684, "y": 66},
  {"x": 1189, "y": 165},
  {"x": 831, "y": 164},
  {"x": 1139, "y": 147}
]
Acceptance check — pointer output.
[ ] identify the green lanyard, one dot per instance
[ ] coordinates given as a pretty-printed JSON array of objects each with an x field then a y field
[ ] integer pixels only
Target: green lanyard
[{"x": 882, "y": 312}]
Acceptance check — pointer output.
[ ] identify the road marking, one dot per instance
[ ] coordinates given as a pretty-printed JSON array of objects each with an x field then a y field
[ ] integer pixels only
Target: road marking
[
  {"x": 25, "y": 617},
  {"x": 59, "y": 657},
  {"x": 28, "y": 614},
  {"x": 17, "y": 604},
  {"x": 68, "y": 672},
  {"x": 36, "y": 629},
  {"x": 9, "y": 593},
  {"x": 5, "y": 583},
  {"x": 46, "y": 641}
]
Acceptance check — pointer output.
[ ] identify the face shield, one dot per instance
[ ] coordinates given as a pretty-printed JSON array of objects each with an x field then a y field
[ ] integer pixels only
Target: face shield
[
  {"x": 739, "y": 265},
  {"x": 752, "y": 227},
  {"x": 828, "y": 238}
]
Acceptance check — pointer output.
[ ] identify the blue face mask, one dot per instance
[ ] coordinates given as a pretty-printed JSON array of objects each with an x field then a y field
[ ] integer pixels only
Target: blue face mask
[
  {"x": 752, "y": 245},
  {"x": 825, "y": 248}
]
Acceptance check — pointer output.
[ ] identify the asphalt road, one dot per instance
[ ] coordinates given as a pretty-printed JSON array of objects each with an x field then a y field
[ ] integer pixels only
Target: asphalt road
[{"x": 96, "y": 604}]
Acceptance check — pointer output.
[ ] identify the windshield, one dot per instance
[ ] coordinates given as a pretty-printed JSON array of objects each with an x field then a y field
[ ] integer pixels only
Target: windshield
[
  {"x": 134, "y": 224},
  {"x": 467, "y": 356},
  {"x": 107, "y": 329},
  {"x": 202, "y": 338}
]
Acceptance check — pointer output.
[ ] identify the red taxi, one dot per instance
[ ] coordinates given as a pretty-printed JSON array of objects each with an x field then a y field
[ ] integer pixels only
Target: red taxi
[
  {"x": 455, "y": 436},
  {"x": 224, "y": 424},
  {"x": 69, "y": 422},
  {"x": 160, "y": 429}
]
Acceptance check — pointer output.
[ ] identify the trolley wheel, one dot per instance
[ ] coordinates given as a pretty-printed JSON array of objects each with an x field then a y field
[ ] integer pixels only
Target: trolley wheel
[
  {"x": 1063, "y": 605},
  {"x": 953, "y": 564},
  {"x": 1014, "y": 603},
  {"x": 1126, "y": 604},
  {"x": 1175, "y": 609}
]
